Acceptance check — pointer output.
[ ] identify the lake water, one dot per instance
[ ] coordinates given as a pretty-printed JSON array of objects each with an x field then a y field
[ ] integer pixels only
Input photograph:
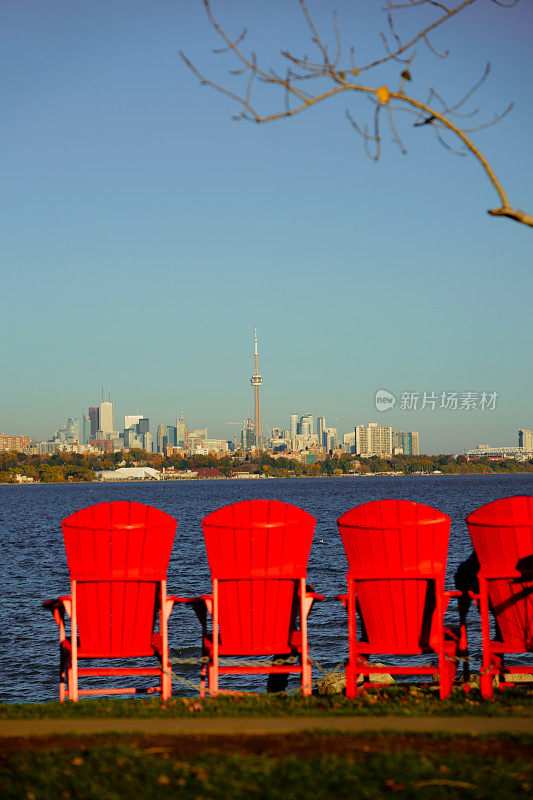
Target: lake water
[{"x": 34, "y": 567}]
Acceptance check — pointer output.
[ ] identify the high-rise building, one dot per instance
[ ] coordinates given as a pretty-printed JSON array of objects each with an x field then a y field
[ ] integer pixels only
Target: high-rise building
[
  {"x": 72, "y": 431},
  {"x": 293, "y": 426},
  {"x": 525, "y": 439},
  {"x": 320, "y": 428},
  {"x": 86, "y": 428},
  {"x": 373, "y": 440},
  {"x": 306, "y": 424},
  {"x": 130, "y": 420},
  {"x": 248, "y": 435},
  {"x": 162, "y": 438},
  {"x": 94, "y": 416},
  {"x": 406, "y": 442},
  {"x": 182, "y": 432},
  {"x": 331, "y": 439},
  {"x": 106, "y": 417},
  {"x": 171, "y": 435},
  {"x": 257, "y": 381}
]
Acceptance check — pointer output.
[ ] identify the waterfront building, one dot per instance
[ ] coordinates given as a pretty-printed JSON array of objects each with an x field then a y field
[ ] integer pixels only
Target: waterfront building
[
  {"x": 257, "y": 381},
  {"x": 373, "y": 440},
  {"x": 487, "y": 451},
  {"x": 406, "y": 442}
]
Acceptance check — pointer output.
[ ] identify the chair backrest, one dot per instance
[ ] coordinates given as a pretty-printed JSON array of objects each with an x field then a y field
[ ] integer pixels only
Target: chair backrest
[
  {"x": 502, "y": 535},
  {"x": 396, "y": 552},
  {"x": 118, "y": 554},
  {"x": 258, "y": 552}
]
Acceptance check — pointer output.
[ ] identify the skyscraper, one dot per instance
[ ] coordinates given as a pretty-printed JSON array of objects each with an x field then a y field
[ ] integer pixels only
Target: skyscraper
[
  {"x": 306, "y": 424},
  {"x": 320, "y": 428},
  {"x": 162, "y": 437},
  {"x": 105, "y": 416},
  {"x": 94, "y": 416},
  {"x": 182, "y": 431},
  {"x": 256, "y": 380},
  {"x": 294, "y": 426}
]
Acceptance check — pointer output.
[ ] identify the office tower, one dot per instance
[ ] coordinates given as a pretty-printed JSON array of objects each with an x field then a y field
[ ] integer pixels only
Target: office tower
[
  {"x": 182, "y": 432},
  {"x": 94, "y": 416},
  {"x": 248, "y": 435},
  {"x": 86, "y": 428},
  {"x": 293, "y": 426},
  {"x": 162, "y": 438},
  {"x": 130, "y": 420},
  {"x": 105, "y": 417},
  {"x": 256, "y": 380},
  {"x": 407, "y": 442},
  {"x": 306, "y": 424},
  {"x": 147, "y": 441},
  {"x": 72, "y": 431},
  {"x": 320, "y": 427},
  {"x": 373, "y": 439},
  {"x": 525, "y": 439},
  {"x": 331, "y": 438},
  {"x": 143, "y": 426},
  {"x": 171, "y": 433}
]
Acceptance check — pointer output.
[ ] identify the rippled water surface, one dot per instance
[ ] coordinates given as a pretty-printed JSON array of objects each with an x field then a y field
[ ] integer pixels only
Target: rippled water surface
[{"x": 34, "y": 567}]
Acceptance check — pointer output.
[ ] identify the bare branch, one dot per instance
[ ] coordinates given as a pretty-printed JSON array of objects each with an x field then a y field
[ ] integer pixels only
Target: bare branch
[{"x": 435, "y": 112}]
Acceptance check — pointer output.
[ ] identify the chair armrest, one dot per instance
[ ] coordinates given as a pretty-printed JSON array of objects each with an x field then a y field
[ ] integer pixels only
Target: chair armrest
[
  {"x": 201, "y": 605},
  {"x": 343, "y": 598},
  {"x": 315, "y": 596},
  {"x": 58, "y": 607}
]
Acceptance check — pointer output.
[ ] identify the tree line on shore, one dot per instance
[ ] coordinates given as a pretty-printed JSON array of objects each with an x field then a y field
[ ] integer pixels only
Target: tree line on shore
[{"x": 75, "y": 467}]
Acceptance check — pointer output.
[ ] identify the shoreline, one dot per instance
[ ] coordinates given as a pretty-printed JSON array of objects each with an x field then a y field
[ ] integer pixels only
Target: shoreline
[{"x": 129, "y": 481}]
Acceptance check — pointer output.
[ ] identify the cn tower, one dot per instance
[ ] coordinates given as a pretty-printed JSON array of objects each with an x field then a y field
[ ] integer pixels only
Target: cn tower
[{"x": 256, "y": 380}]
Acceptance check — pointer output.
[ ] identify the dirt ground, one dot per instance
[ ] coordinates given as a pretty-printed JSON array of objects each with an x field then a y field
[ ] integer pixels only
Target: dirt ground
[{"x": 302, "y": 745}]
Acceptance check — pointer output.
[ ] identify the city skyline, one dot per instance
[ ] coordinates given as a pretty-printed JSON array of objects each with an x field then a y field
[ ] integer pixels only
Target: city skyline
[{"x": 146, "y": 233}]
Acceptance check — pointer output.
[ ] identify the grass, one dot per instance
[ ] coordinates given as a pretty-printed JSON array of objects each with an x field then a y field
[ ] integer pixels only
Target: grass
[
  {"x": 406, "y": 700},
  {"x": 303, "y": 766}
]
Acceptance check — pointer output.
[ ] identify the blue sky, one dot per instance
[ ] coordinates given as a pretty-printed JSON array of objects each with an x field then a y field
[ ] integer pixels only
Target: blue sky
[{"x": 145, "y": 233}]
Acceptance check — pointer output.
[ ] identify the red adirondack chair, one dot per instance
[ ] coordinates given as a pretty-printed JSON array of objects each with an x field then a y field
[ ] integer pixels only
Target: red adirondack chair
[
  {"x": 396, "y": 553},
  {"x": 118, "y": 556},
  {"x": 502, "y": 534},
  {"x": 258, "y": 552}
]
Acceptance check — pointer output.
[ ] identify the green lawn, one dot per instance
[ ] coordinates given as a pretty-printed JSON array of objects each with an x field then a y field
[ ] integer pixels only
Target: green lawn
[
  {"x": 408, "y": 700},
  {"x": 314, "y": 766}
]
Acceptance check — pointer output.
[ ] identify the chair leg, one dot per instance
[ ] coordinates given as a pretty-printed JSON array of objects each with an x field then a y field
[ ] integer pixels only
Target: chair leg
[
  {"x": 447, "y": 671},
  {"x": 62, "y": 676},
  {"x": 307, "y": 680},
  {"x": 351, "y": 682},
  {"x": 212, "y": 680}
]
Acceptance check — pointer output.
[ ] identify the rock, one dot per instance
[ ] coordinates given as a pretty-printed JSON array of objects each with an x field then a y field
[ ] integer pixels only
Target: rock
[{"x": 335, "y": 682}]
